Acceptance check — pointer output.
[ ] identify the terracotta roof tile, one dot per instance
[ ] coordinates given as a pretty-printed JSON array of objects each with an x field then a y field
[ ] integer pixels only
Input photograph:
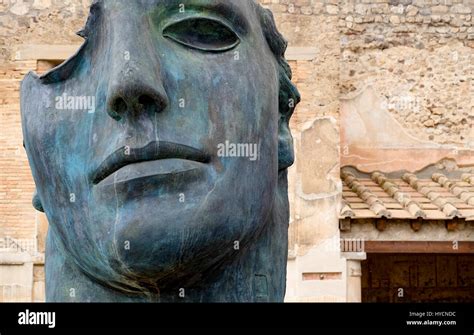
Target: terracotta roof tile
[
  {"x": 468, "y": 178},
  {"x": 346, "y": 210},
  {"x": 461, "y": 192},
  {"x": 432, "y": 193},
  {"x": 409, "y": 197},
  {"x": 376, "y": 205}
]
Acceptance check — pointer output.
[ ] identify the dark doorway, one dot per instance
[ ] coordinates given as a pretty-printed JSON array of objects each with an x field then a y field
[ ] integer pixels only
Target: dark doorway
[{"x": 418, "y": 278}]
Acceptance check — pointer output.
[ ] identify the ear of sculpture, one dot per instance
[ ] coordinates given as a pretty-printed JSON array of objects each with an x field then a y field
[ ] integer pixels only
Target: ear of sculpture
[
  {"x": 37, "y": 202},
  {"x": 289, "y": 98}
]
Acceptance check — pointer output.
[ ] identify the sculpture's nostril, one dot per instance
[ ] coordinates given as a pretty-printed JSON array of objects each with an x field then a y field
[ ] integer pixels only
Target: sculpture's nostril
[
  {"x": 146, "y": 100},
  {"x": 153, "y": 102},
  {"x": 123, "y": 104},
  {"x": 119, "y": 106}
]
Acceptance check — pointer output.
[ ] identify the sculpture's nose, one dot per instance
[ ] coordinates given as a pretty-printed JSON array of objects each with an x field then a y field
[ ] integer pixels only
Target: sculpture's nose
[
  {"x": 135, "y": 82},
  {"x": 132, "y": 94}
]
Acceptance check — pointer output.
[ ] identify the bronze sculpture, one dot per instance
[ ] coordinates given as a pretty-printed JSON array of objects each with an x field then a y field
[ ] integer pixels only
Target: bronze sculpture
[{"x": 142, "y": 202}]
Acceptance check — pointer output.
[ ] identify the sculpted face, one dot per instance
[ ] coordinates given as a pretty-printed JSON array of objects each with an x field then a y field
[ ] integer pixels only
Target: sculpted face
[{"x": 159, "y": 144}]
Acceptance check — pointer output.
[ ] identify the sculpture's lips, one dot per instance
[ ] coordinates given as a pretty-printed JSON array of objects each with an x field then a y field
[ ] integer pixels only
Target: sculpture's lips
[{"x": 154, "y": 151}]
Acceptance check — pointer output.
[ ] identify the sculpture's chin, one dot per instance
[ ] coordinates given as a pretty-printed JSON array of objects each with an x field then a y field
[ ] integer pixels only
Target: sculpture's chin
[
  {"x": 166, "y": 257},
  {"x": 169, "y": 256}
]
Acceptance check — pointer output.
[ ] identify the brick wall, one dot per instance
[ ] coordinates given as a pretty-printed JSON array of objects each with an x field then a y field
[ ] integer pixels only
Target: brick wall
[{"x": 17, "y": 219}]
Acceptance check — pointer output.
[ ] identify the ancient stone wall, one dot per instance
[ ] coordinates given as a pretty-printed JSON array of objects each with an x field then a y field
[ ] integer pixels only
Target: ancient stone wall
[{"x": 418, "y": 55}]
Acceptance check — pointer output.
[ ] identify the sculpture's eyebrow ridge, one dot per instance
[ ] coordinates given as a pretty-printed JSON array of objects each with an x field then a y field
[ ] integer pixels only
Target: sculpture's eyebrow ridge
[
  {"x": 226, "y": 9},
  {"x": 232, "y": 13}
]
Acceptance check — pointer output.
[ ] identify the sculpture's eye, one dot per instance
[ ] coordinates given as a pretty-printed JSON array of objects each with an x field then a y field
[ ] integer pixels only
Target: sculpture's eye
[{"x": 202, "y": 34}]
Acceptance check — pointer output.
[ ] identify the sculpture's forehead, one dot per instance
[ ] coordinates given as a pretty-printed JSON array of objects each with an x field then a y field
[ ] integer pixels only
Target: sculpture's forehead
[
  {"x": 238, "y": 5},
  {"x": 241, "y": 13}
]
